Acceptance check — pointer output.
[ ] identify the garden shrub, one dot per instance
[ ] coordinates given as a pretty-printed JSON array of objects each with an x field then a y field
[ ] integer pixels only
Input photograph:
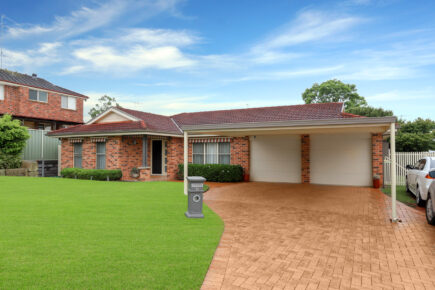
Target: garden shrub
[
  {"x": 13, "y": 138},
  {"x": 94, "y": 174},
  {"x": 214, "y": 172}
]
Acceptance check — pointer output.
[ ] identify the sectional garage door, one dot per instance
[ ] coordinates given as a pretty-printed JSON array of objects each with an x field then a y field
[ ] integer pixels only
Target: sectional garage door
[
  {"x": 341, "y": 159},
  {"x": 276, "y": 158}
]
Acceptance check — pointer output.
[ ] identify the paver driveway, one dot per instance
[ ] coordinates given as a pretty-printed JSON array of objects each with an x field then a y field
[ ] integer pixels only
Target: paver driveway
[{"x": 317, "y": 237}]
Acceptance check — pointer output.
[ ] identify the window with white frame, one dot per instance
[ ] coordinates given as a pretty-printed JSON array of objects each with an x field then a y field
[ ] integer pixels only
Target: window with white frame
[
  {"x": 68, "y": 103},
  {"x": 101, "y": 155},
  {"x": 2, "y": 92},
  {"x": 211, "y": 153},
  {"x": 39, "y": 96},
  {"x": 78, "y": 155}
]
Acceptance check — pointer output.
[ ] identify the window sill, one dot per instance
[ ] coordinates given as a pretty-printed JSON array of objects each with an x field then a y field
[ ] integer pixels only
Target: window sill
[
  {"x": 38, "y": 101},
  {"x": 69, "y": 109}
]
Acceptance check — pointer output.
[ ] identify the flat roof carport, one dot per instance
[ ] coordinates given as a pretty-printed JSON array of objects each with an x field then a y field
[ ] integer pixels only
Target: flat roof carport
[{"x": 362, "y": 124}]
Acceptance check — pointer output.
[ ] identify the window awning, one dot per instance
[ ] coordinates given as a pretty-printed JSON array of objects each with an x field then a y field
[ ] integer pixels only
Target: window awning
[{"x": 210, "y": 140}]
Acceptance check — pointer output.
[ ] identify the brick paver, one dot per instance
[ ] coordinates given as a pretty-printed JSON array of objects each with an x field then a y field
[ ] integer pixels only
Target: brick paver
[{"x": 295, "y": 236}]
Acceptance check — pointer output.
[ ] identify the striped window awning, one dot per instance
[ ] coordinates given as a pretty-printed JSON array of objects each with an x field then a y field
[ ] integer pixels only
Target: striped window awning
[
  {"x": 98, "y": 139},
  {"x": 75, "y": 140},
  {"x": 210, "y": 140}
]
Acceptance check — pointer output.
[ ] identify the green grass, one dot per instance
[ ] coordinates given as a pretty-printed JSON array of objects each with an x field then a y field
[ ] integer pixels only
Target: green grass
[
  {"x": 64, "y": 233},
  {"x": 401, "y": 194}
]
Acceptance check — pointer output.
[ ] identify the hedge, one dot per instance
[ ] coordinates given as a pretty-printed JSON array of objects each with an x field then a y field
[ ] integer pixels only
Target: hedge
[
  {"x": 214, "y": 172},
  {"x": 94, "y": 174}
]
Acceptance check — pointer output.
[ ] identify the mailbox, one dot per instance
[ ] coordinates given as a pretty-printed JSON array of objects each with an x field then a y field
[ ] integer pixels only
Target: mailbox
[{"x": 195, "y": 190}]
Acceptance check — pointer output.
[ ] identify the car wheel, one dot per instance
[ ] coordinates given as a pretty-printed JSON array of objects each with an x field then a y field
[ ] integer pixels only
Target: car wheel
[
  {"x": 418, "y": 200},
  {"x": 430, "y": 214}
]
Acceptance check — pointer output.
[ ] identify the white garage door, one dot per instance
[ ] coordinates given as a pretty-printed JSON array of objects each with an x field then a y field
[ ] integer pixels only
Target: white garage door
[
  {"x": 276, "y": 158},
  {"x": 341, "y": 159}
]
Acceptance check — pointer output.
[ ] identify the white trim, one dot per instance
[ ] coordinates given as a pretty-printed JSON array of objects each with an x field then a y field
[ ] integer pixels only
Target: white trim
[
  {"x": 40, "y": 89},
  {"x": 113, "y": 110}
]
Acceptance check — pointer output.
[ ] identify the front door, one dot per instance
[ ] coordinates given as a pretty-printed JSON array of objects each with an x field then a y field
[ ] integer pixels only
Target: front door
[{"x": 157, "y": 157}]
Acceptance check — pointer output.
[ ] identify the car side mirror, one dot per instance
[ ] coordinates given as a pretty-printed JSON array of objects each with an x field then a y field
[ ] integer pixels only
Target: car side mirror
[
  {"x": 409, "y": 167},
  {"x": 432, "y": 174}
]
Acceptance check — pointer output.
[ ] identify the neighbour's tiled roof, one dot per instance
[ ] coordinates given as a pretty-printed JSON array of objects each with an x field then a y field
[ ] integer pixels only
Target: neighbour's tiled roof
[
  {"x": 164, "y": 124},
  {"x": 263, "y": 114},
  {"x": 34, "y": 82},
  {"x": 154, "y": 122}
]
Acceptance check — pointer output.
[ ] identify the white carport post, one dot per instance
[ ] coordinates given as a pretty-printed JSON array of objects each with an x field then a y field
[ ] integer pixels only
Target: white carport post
[
  {"x": 186, "y": 160},
  {"x": 393, "y": 172}
]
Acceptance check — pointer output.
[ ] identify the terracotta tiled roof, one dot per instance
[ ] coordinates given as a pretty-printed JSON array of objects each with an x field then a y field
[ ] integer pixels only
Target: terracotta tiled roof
[
  {"x": 263, "y": 114},
  {"x": 102, "y": 128},
  {"x": 164, "y": 124},
  {"x": 34, "y": 82},
  {"x": 154, "y": 122}
]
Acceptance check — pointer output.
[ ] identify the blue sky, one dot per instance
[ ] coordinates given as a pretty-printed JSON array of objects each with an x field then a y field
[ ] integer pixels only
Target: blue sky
[{"x": 171, "y": 56}]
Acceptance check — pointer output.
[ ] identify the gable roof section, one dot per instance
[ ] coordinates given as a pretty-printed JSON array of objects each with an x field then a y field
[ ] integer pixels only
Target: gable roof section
[
  {"x": 263, "y": 114},
  {"x": 154, "y": 122},
  {"x": 148, "y": 122},
  {"x": 34, "y": 82}
]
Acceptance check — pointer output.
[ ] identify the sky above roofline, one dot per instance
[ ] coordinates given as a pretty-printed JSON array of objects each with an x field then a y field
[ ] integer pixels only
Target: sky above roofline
[{"x": 170, "y": 56}]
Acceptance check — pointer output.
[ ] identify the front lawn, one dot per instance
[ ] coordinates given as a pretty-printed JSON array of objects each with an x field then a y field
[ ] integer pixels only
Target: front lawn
[
  {"x": 65, "y": 233},
  {"x": 401, "y": 195}
]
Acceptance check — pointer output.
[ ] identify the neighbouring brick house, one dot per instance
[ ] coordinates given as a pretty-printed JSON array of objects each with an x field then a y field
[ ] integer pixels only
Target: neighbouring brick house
[
  {"x": 315, "y": 143},
  {"x": 38, "y": 103}
]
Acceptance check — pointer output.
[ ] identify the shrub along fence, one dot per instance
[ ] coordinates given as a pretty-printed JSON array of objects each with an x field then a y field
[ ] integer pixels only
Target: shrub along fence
[
  {"x": 214, "y": 172},
  {"x": 91, "y": 174}
]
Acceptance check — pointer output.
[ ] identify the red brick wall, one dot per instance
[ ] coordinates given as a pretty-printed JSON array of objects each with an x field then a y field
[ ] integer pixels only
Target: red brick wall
[
  {"x": 17, "y": 103},
  {"x": 67, "y": 154},
  {"x": 377, "y": 162},
  {"x": 305, "y": 158},
  {"x": 240, "y": 152},
  {"x": 175, "y": 156}
]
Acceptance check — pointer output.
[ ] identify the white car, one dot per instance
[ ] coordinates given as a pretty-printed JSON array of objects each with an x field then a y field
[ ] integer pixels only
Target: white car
[
  {"x": 418, "y": 179},
  {"x": 430, "y": 203}
]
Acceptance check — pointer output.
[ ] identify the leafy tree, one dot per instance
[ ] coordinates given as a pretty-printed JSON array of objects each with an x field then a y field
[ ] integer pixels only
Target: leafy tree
[
  {"x": 13, "y": 138},
  {"x": 414, "y": 142},
  {"x": 369, "y": 111},
  {"x": 420, "y": 125},
  {"x": 334, "y": 91},
  {"x": 105, "y": 102}
]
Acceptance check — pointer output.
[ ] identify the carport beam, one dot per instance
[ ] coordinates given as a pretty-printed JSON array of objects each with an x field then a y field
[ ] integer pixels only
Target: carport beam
[
  {"x": 393, "y": 172},
  {"x": 186, "y": 160}
]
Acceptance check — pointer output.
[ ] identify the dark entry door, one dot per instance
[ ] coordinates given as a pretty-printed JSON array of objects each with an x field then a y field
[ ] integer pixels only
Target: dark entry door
[{"x": 157, "y": 157}]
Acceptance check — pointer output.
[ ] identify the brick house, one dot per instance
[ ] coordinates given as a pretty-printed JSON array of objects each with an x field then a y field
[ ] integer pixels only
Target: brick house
[
  {"x": 315, "y": 143},
  {"x": 38, "y": 103}
]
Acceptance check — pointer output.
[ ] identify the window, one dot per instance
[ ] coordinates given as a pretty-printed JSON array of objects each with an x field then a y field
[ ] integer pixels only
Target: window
[
  {"x": 78, "y": 155},
  {"x": 211, "y": 153},
  {"x": 39, "y": 96},
  {"x": 422, "y": 164},
  {"x": 68, "y": 103},
  {"x": 101, "y": 155},
  {"x": 2, "y": 92}
]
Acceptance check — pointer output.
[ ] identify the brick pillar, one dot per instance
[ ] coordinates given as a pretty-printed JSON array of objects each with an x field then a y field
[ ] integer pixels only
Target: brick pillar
[
  {"x": 305, "y": 158},
  {"x": 377, "y": 162}
]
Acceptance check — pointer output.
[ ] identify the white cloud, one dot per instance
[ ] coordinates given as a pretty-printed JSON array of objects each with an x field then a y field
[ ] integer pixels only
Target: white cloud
[
  {"x": 158, "y": 37},
  {"x": 45, "y": 54},
  {"x": 287, "y": 74},
  {"x": 87, "y": 19},
  {"x": 309, "y": 26}
]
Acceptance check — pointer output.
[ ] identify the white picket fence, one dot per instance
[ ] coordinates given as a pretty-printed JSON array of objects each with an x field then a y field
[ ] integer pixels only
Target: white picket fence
[{"x": 402, "y": 159}]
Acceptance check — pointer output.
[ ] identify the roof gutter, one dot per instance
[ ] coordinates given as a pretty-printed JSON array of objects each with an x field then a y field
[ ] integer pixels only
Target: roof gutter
[
  {"x": 112, "y": 133},
  {"x": 295, "y": 123},
  {"x": 14, "y": 84}
]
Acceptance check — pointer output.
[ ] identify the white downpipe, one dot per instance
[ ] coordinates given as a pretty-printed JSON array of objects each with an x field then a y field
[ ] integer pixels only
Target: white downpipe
[
  {"x": 393, "y": 172},
  {"x": 186, "y": 160}
]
